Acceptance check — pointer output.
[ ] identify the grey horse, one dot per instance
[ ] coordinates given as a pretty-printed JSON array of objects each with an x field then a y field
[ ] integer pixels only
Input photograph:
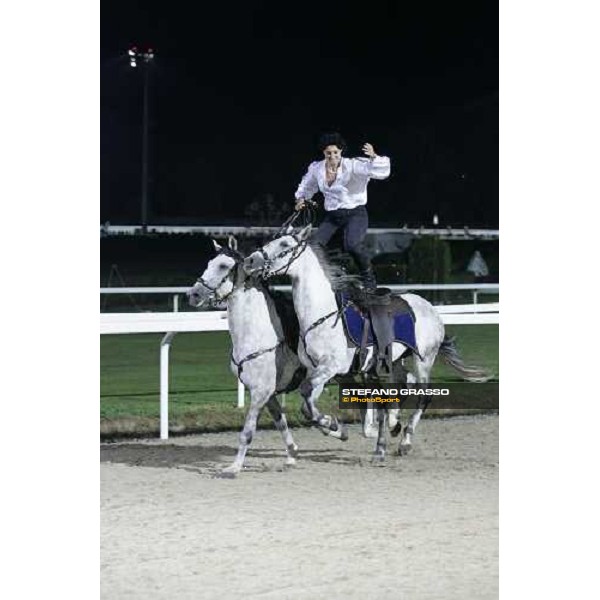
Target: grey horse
[
  {"x": 262, "y": 358},
  {"x": 326, "y": 351}
]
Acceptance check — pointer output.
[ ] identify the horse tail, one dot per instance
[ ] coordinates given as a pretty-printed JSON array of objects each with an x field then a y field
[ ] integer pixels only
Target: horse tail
[{"x": 451, "y": 356}]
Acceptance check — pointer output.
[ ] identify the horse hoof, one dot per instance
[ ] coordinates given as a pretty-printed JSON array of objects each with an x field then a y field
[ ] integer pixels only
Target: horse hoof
[
  {"x": 293, "y": 450},
  {"x": 378, "y": 460},
  {"x": 341, "y": 433},
  {"x": 371, "y": 432},
  {"x": 290, "y": 462},
  {"x": 404, "y": 449},
  {"x": 344, "y": 433},
  {"x": 228, "y": 473},
  {"x": 395, "y": 431}
]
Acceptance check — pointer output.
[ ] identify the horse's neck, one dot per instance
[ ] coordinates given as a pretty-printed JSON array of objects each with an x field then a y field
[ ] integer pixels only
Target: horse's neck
[
  {"x": 250, "y": 325},
  {"x": 311, "y": 290}
]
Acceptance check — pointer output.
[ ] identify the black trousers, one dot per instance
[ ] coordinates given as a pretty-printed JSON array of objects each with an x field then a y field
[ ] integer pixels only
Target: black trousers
[{"x": 354, "y": 222}]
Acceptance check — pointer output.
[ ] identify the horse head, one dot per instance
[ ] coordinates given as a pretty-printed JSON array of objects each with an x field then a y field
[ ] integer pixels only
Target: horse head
[
  {"x": 278, "y": 255},
  {"x": 218, "y": 281}
]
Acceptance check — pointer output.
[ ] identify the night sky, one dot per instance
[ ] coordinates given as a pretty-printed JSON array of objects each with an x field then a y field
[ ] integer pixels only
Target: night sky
[{"x": 241, "y": 91}]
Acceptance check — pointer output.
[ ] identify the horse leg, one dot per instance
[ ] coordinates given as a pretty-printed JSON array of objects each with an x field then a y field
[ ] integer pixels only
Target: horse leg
[
  {"x": 401, "y": 375},
  {"x": 394, "y": 421},
  {"x": 380, "y": 447},
  {"x": 282, "y": 426},
  {"x": 423, "y": 368},
  {"x": 256, "y": 405},
  {"x": 311, "y": 389},
  {"x": 368, "y": 422}
]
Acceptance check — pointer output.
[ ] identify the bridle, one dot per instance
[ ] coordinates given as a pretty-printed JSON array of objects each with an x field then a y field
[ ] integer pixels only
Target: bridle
[
  {"x": 214, "y": 297},
  {"x": 296, "y": 251}
]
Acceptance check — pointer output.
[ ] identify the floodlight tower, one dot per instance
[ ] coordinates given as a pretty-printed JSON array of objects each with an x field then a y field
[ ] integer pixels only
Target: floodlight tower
[{"x": 144, "y": 58}]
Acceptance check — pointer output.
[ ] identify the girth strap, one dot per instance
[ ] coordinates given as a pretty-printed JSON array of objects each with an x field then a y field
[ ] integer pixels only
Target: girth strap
[
  {"x": 318, "y": 322},
  {"x": 364, "y": 340},
  {"x": 251, "y": 356}
]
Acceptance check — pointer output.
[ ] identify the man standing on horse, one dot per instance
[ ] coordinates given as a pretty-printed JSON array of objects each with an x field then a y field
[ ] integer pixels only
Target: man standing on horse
[{"x": 343, "y": 183}]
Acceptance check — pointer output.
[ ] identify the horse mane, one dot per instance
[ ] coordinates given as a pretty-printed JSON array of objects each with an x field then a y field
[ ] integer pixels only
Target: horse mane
[{"x": 331, "y": 261}]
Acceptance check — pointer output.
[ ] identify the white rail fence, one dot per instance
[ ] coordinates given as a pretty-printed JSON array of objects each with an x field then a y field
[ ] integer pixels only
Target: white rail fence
[
  {"x": 176, "y": 292},
  {"x": 447, "y": 233},
  {"x": 170, "y": 323}
]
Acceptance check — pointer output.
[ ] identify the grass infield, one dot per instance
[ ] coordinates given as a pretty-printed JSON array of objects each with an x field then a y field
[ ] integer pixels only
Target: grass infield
[{"x": 203, "y": 391}]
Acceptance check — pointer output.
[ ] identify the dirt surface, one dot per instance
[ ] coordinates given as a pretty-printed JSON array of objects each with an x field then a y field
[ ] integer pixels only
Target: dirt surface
[{"x": 422, "y": 526}]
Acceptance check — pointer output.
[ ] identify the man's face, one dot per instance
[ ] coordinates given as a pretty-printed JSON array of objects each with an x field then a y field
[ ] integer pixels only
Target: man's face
[{"x": 332, "y": 154}]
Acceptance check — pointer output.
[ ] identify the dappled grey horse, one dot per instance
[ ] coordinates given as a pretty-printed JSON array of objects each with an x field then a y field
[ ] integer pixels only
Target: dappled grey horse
[
  {"x": 261, "y": 356},
  {"x": 326, "y": 351}
]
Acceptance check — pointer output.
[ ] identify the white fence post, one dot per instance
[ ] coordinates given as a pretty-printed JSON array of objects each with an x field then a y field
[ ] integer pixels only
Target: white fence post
[
  {"x": 240, "y": 394},
  {"x": 165, "y": 345}
]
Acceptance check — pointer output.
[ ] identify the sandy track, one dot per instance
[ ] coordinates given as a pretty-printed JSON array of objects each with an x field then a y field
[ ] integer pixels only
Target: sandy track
[{"x": 423, "y": 526}]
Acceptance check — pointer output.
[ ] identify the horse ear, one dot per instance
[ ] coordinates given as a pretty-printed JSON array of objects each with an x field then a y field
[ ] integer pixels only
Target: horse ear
[
  {"x": 305, "y": 232},
  {"x": 218, "y": 247},
  {"x": 233, "y": 245},
  {"x": 289, "y": 230}
]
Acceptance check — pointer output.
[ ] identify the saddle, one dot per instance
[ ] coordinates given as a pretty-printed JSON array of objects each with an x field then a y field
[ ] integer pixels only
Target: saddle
[{"x": 379, "y": 319}]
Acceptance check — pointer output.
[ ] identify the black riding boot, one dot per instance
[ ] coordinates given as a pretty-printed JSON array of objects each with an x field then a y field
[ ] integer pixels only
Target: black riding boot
[{"x": 373, "y": 294}]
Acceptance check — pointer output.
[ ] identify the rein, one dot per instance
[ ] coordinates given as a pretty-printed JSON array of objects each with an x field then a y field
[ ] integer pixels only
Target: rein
[
  {"x": 308, "y": 218},
  {"x": 296, "y": 252},
  {"x": 308, "y": 213}
]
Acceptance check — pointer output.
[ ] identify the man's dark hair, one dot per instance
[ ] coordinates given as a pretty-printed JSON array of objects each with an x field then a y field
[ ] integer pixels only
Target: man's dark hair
[{"x": 331, "y": 139}]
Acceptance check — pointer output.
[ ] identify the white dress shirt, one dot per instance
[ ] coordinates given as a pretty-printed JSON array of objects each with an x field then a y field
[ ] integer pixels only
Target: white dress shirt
[{"x": 349, "y": 189}]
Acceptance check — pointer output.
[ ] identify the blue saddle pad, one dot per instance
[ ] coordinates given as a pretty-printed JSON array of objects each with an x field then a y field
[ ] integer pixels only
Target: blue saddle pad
[{"x": 404, "y": 328}]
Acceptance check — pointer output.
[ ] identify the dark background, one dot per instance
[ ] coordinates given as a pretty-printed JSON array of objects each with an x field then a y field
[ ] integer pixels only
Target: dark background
[{"x": 240, "y": 92}]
